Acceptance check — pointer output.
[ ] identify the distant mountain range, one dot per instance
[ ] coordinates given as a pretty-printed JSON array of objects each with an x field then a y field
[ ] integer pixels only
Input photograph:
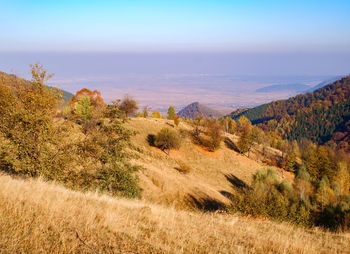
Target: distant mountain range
[
  {"x": 295, "y": 88},
  {"x": 194, "y": 109},
  {"x": 322, "y": 84},
  {"x": 321, "y": 116},
  {"x": 282, "y": 88}
]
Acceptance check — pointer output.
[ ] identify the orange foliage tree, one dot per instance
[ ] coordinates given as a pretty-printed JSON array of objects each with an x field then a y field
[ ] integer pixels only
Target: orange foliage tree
[{"x": 95, "y": 97}]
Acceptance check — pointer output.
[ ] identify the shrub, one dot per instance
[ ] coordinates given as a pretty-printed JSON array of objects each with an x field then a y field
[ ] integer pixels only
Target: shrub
[
  {"x": 274, "y": 199},
  {"x": 167, "y": 139},
  {"x": 118, "y": 180},
  {"x": 336, "y": 216}
]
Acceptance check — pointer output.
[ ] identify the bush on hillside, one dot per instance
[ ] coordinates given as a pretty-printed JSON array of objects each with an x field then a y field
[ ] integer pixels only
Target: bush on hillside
[
  {"x": 206, "y": 132},
  {"x": 269, "y": 197},
  {"x": 302, "y": 202},
  {"x": 167, "y": 139}
]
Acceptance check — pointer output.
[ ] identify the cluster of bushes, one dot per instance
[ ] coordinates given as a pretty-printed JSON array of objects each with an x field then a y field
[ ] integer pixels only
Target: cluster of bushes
[
  {"x": 83, "y": 147},
  {"x": 305, "y": 202},
  {"x": 206, "y": 132}
]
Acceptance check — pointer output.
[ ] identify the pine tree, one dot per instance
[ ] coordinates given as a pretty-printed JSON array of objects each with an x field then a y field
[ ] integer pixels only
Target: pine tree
[{"x": 171, "y": 113}]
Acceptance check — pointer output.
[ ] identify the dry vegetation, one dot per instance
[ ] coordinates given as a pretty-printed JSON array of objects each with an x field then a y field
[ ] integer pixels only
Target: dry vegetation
[
  {"x": 211, "y": 173},
  {"x": 37, "y": 217}
]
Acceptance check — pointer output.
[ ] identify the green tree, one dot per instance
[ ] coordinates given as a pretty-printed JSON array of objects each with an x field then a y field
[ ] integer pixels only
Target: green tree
[
  {"x": 26, "y": 124},
  {"x": 83, "y": 108},
  {"x": 171, "y": 113}
]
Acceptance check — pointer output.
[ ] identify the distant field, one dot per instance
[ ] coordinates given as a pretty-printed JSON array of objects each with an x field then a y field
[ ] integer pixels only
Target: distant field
[
  {"x": 222, "y": 81},
  {"x": 222, "y": 92}
]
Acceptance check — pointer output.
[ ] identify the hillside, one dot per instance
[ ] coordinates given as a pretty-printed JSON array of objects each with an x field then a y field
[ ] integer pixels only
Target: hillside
[
  {"x": 195, "y": 109},
  {"x": 211, "y": 175},
  {"x": 320, "y": 116},
  {"x": 9, "y": 78},
  {"x": 51, "y": 162},
  {"x": 39, "y": 217}
]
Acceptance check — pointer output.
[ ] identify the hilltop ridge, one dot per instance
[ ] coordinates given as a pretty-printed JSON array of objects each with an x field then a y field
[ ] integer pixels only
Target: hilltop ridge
[{"x": 194, "y": 109}]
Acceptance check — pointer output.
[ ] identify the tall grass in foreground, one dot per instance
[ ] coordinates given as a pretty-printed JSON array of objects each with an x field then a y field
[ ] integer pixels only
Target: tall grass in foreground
[{"x": 39, "y": 217}]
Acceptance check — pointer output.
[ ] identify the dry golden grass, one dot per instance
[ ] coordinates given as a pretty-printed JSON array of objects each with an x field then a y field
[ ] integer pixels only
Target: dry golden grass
[
  {"x": 39, "y": 217},
  {"x": 162, "y": 183}
]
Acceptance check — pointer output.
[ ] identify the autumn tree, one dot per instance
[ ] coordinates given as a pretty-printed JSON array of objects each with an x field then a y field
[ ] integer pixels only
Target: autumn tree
[
  {"x": 198, "y": 124},
  {"x": 228, "y": 124},
  {"x": 128, "y": 105},
  {"x": 95, "y": 97},
  {"x": 214, "y": 133},
  {"x": 243, "y": 123},
  {"x": 156, "y": 114},
  {"x": 171, "y": 113},
  {"x": 232, "y": 126},
  {"x": 244, "y": 139},
  {"x": 177, "y": 121}
]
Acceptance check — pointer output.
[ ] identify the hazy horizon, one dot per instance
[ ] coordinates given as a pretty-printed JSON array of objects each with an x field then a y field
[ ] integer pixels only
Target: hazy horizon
[
  {"x": 224, "y": 81},
  {"x": 161, "y": 52}
]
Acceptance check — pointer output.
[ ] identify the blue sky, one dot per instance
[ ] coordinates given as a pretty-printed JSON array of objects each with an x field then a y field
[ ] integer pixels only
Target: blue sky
[{"x": 168, "y": 26}]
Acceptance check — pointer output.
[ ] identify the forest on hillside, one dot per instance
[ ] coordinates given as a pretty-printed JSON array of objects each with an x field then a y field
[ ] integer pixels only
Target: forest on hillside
[{"x": 321, "y": 116}]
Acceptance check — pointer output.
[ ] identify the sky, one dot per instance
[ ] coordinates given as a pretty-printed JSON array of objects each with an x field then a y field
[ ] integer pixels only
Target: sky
[{"x": 172, "y": 26}]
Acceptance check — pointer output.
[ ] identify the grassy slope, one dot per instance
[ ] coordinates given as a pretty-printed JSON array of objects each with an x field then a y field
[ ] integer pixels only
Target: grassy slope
[
  {"x": 163, "y": 184},
  {"x": 39, "y": 217}
]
